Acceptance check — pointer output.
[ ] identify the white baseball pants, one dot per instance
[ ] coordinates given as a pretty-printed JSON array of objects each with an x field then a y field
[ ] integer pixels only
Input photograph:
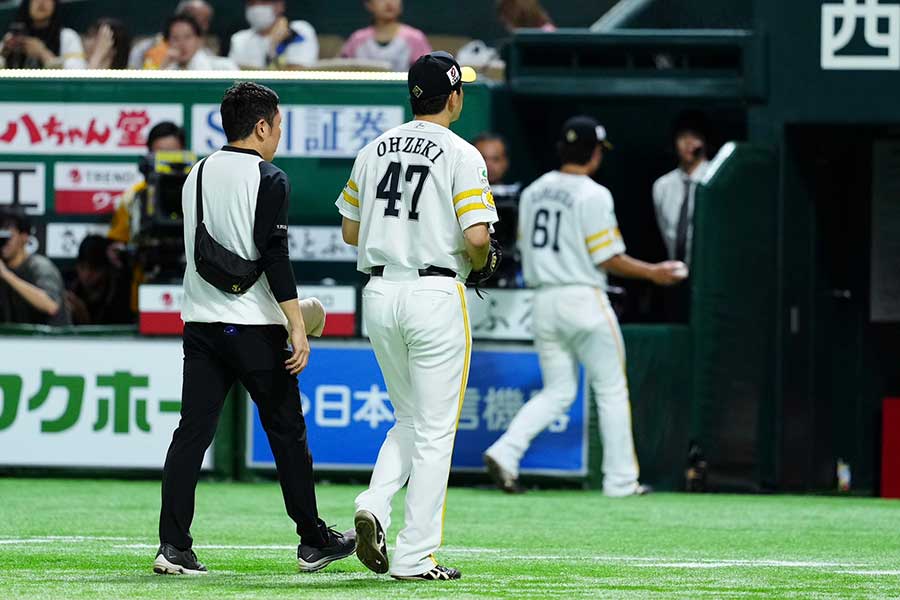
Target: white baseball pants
[
  {"x": 576, "y": 324},
  {"x": 419, "y": 329}
]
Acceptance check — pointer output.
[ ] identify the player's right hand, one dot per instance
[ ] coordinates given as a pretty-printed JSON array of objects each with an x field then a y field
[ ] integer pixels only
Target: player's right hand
[
  {"x": 669, "y": 272},
  {"x": 300, "y": 352}
]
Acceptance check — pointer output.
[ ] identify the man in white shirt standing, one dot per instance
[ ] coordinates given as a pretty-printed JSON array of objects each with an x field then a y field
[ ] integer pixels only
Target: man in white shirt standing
[
  {"x": 235, "y": 205},
  {"x": 273, "y": 42},
  {"x": 673, "y": 201}
]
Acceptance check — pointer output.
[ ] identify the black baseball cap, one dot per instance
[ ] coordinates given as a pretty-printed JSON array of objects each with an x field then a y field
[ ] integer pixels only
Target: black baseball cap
[
  {"x": 584, "y": 131},
  {"x": 437, "y": 74}
]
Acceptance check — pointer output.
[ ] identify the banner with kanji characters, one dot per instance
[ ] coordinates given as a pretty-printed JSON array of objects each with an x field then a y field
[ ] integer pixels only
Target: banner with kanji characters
[
  {"x": 348, "y": 413},
  {"x": 332, "y": 131},
  {"x": 82, "y": 402},
  {"x": 73, "y": 128}
]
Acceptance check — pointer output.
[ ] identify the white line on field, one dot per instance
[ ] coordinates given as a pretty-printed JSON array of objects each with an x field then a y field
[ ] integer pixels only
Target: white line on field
[{"x": 506, "y": 554}]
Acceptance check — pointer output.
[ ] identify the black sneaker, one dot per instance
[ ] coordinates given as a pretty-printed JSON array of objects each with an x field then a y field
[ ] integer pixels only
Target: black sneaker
[
  {"x": 339, "y": 545},
  {"x": 371, "y": 548},
  {"x": 172, "y": 561},
  {"x": 438, "y": 573},
  {"x": 503, "y": 478}
]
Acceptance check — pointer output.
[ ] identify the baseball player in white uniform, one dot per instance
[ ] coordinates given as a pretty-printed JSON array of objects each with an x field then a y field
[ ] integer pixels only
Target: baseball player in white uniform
[
  {"x": 569, "y": 240},
  {"x": 419, "y": 207}
]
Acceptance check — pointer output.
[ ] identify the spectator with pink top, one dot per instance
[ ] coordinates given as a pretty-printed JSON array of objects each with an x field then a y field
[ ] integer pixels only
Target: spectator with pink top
[{"x": 388, "y": 40}]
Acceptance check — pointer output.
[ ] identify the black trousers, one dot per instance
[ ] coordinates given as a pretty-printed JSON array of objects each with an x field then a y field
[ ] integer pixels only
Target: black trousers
[{"x": 215, "y": 356}]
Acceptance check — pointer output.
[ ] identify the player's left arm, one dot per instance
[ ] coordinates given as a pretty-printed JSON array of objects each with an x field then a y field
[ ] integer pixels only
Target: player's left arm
[
  {"x": 350, "y": 231},
  {"x": 473, "y": 202},
  {"x": 607, "y": 248}
]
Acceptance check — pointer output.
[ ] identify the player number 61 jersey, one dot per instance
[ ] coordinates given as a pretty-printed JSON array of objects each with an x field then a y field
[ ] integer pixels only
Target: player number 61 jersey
[
  {"x": 567, "y": 226},
  {"x": 414, "y": 190}
]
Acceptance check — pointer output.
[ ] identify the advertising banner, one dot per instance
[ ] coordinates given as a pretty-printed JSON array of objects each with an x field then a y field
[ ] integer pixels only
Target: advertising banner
[
  {"x": 73, "y": 128},
  {"x": 348, "y": 413},
  {"x": 160, "y": 308},
  {"x": 332, "y": 131},
  {"x": 23, "y": 185},
  {"x": 91, "y": 188},
  {"x": 80, "y": 402}
]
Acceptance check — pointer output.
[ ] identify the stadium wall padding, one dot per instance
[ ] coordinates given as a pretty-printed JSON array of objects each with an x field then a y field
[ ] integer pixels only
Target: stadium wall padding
[{"x": 733, "y": 318}]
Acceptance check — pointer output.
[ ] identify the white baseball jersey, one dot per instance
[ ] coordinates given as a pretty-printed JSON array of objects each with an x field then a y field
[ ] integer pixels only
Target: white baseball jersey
[
  {"x": 567, "y": 226},
  {"x": 414, "y": 190}
]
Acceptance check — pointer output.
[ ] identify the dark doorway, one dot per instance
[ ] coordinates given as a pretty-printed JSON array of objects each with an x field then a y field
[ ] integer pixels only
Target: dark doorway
[{"x": 832, "y": 375}]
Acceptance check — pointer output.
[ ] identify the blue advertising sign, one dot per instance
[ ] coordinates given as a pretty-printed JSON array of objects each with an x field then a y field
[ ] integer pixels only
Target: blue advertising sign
[{"x": 348, "y": 413}]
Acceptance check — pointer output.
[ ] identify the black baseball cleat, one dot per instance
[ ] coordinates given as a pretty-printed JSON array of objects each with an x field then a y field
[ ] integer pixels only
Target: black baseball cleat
[
  {"x": 438, "y": 573},
  {"x": 340, "y": 545},
  {"x": 172, "y": 561},
  {"x": 503, "y": 478},
  {"x": 371, "y": 548}
]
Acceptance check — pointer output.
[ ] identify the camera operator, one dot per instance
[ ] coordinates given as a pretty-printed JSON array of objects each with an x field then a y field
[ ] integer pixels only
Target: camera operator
[{"x": 31, "y": 287}]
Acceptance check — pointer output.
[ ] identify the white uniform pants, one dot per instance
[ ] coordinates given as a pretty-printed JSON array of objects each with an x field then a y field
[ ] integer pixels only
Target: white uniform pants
[
  {"x": 576, "y": 324},
  {"x": 419, "y": 328}
]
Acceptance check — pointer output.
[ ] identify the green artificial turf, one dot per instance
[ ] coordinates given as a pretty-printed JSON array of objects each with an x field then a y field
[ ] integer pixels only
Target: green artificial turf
[{"x": 97, "y": 539}]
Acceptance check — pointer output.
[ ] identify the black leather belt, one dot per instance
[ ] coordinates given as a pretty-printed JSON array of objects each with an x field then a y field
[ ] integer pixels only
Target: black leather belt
[{"x": 426, "y": 272}]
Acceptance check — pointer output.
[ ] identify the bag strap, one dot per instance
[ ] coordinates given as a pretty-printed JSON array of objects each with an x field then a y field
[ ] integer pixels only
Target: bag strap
[{"x": 200, "y": 192}]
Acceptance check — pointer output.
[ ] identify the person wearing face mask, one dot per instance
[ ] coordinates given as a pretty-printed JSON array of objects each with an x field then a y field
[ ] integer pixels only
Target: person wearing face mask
[
  {"x": 387, "y": 39},
  {"x": 273, "y": 42}
]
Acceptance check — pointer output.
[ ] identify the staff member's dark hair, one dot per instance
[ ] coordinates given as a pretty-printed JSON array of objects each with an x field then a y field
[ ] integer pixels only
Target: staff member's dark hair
[{"x": 243, "y": 106}]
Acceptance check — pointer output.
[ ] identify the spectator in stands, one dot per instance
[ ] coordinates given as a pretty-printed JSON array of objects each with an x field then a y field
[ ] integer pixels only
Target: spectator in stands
[
  {"x": 387, "y": 40},
  {"x": 493, "y": 149},
  {"x": 273, "y": 42},
  {"x": 31, "y": 287},
  {"x": 673, "y": 202},
  {"x": 37, "y": 39},
  {"x": 524, "y": 14},
  {"x": 151, "y": 53},
  {"x": 186, "y": 51},
  {"x": 107, "y": 43},
  {"x": 101, "y": 292}
]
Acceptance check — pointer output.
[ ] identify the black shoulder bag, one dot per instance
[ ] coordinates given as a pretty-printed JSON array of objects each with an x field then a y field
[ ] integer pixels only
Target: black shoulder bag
[{"x": 216, "y": 264}]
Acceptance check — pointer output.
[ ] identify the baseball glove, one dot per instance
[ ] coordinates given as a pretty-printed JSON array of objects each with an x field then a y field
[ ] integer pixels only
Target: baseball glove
[{"x": 477, "y": 278}]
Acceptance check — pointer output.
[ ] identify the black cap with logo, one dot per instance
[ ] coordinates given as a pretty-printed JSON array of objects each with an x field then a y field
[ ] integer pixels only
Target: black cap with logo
[
  {"x": 437, "y": 74},
  {"x": 584, "y": 131}
]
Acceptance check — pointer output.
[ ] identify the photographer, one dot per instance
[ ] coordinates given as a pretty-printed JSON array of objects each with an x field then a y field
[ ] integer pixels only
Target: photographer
[
  {"x": 31, "y": 287},
  {"x": 37, "y": 39}
]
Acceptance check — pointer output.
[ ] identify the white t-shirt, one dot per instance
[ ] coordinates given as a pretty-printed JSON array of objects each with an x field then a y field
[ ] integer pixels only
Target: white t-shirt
[
  {"x": 203, "y": 60},
  {"x": 414, "y": 190},
  {"x": 71, "y": 51},
  {"x": 250, "y": 50},
  {"x": 567, "y": 226}
]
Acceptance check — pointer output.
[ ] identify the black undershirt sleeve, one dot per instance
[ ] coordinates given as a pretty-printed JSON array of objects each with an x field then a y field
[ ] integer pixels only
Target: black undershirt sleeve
[{"x": 270, "y": 230}]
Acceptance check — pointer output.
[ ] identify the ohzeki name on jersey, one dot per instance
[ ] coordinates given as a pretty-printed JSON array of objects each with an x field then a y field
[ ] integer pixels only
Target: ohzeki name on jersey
[{"x": 411, "y": 145}]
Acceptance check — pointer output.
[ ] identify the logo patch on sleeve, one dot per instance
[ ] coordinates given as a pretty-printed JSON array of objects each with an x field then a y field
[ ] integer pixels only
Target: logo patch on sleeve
[
  {"x": 483, "y": 175},
  {"x": 487, "y": 198}
]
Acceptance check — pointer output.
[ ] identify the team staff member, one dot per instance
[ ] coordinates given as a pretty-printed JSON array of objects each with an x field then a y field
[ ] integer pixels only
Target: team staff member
[
  {"x": 569, "y": 241},
  {"x": 231, "y": 337},
  {"x": 673, "y": 202},
  {"x": 419, "y": 207}
]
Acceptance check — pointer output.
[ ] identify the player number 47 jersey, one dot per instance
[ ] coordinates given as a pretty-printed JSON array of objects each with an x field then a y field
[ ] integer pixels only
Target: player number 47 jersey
[
  {"x": 567, "y": 226},
  {"x": 414, "y": 190}
]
